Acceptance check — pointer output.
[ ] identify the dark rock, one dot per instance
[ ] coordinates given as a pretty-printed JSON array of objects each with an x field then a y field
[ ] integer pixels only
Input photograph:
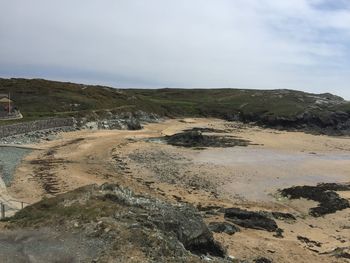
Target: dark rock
[
  {"x": 182, "y": 221},
  {"x": 279, "y": 233},
  {"x": 208, "y": 208},
  {"x": 197, "y": 139},
  {"x": 262, "y": 260},
  {"x": 329, "y": 201},
  {"x": 334, "y": 187},
  {"x": 133, "y": 124},
  {"x": 189, "y": 228},
  {"x": 331, "y": 123},
  {"x": 206, "y": 130},
  {"x": 249, "y": 219},
  {"x": 283, "y": 216},
  {"x": 309, "y": 242},
  {"x": 340, "y": 252},
  {"x": 146, "y": 116},
  {"x": 323, "y": 121},
  {"x": 223, "y": 227}
]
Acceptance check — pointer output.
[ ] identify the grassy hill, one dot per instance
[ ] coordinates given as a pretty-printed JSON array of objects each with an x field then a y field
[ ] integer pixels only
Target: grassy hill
[
  {"x": 38, "y": 98},
  {"x": 226, "y": 101}
]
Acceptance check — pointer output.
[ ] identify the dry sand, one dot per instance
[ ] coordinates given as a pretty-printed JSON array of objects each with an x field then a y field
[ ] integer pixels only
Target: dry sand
[{"x": 245, "y": 177}]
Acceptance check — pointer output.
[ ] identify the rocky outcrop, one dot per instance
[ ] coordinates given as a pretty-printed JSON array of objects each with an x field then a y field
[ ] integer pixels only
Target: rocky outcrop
[
  {"x": 315, "y": 113},
  {"x": 262, "y": 260},
  {"x": 133, "y": 124},
  {"x": 340, "y": 252},
  {"x": 195, "y": 138},
  {"x": 283, "y": 216},
  {"x": 223, "y": 227},
  {"x": 130, "y": 227},
  {"x": 36, "y": 131},
  {"x": 250, "y": 219},
  {"x": 120, "y": 121},
  {"x": 322, "y": 122},
  {"x": 308, "y": 242},
  {"x": 329, "y": 201},
  {"x": 183, "y": 222}
]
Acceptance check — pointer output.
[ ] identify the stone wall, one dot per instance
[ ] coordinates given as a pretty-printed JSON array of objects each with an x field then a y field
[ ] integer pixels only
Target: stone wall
[
  {"x": 13, "y": 116},
  {"x": 25, "y": 127}
]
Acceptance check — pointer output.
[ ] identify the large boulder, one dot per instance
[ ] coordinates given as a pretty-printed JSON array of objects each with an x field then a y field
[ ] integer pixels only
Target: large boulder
[
  {"x": 183, "y": 222},
  {"x": 133, "y": 124}
]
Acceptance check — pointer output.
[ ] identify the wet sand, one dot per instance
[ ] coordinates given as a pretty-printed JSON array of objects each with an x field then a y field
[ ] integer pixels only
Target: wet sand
[{"x": 256, "y": 173}]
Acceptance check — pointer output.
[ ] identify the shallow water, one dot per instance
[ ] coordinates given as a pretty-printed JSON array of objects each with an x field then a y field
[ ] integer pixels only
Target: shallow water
[
  {"x": 256, "y": 173},
  {"x": 10, "y": 157}
]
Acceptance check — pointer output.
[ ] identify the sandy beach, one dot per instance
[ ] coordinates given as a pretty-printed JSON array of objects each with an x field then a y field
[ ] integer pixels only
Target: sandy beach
[{"x": 245, "y": 177}]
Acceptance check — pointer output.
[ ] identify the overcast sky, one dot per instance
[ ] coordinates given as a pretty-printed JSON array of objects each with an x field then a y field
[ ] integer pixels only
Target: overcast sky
[{"x": 263, "y": 44}]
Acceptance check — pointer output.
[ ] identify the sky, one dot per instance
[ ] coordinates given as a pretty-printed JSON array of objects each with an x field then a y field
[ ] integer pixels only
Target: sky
[{"x": 260, "y": 44}]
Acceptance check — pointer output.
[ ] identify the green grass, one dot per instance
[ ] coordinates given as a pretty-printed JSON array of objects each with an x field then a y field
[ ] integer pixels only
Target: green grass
[
  {"x": 53, "y": 210},
  {"x": 38, "y": 99}
]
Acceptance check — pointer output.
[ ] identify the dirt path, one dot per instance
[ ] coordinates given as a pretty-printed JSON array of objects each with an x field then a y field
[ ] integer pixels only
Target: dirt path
[{"x": 241, "y": 176}]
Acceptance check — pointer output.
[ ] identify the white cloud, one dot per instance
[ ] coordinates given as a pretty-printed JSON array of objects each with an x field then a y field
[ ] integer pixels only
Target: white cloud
[{"x": 189, "y": 43}]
